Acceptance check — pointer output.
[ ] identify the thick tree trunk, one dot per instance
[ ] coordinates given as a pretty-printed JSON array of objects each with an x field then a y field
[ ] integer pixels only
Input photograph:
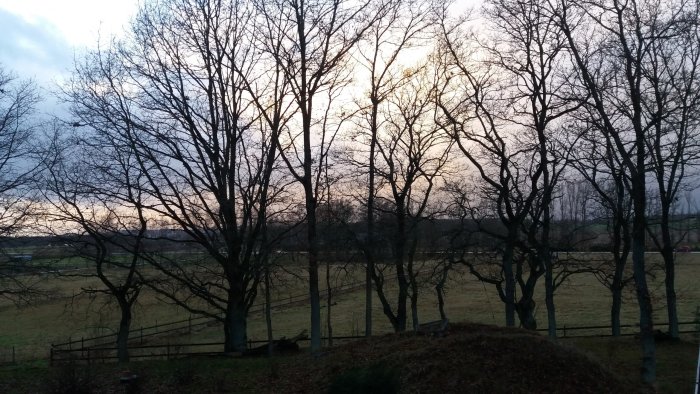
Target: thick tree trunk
[
  {"x": 235, "y": 324},
  {"x": 526, "y": 313},
  {"x": 123, "y": 333}
]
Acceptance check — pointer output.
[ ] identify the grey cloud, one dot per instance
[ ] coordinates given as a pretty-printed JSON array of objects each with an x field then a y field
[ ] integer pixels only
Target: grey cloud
[{"x": 32, "y": 50}]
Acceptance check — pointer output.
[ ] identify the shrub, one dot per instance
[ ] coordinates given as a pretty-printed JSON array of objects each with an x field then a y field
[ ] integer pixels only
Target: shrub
[
  {"x": 376, "y": 378},
  {"x": 70, "y": 378}
]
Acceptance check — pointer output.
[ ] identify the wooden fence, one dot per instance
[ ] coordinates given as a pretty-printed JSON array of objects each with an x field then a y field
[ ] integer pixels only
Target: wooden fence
[{"x": 103, "y": 354}]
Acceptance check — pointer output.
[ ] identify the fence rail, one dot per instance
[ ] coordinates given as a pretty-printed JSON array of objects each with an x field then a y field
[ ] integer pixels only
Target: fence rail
[
  {"x": 141, "y": 333},
  {"x": 626, "y": 329},
  {"x": 169, "y": 351}
]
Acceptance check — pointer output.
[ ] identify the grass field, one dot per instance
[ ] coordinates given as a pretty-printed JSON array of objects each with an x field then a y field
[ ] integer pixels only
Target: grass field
[{"x": 580, "y": 302}]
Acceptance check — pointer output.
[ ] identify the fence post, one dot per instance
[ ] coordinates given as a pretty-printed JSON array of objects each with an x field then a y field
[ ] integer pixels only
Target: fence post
[
  {"x": 88, "y": 356},
  {"x": 13, "y": 355},
  {"x": 82, "y": 342},
  {"x": 51, "y": 355},
  {"x": 70, "y": 343}
]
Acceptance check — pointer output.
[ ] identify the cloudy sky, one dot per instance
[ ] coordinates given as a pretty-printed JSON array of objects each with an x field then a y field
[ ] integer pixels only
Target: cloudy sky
[{"x": 40, "y": 37}]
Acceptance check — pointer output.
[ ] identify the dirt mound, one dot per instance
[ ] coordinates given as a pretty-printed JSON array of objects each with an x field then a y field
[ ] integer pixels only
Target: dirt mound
[{"x": 470, "y": 359}]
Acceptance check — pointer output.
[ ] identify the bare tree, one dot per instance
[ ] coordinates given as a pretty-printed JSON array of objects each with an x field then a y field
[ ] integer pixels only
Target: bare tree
[
  {"x": 18, "y": 127},
  {"x": 506, "y": 112},
  {"x": 612, "y": 43},
  {"x": 319, "y": 36},
  {"x": 177, "y": 93},
  {"x": 93, "y": 189},
  {"x": 597, "y": 161},
  {"x": 399, "y": 31},
  {"x": 672, "y": 75},
  {"x": 413, "y": 155}
]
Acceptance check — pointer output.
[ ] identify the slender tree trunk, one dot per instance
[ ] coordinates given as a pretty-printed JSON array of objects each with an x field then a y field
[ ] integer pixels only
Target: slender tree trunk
[
  {"x": 401, "y": 314},
  {"x": 268, "y": 311},
  {"x": 670, "y": 279},
  {"x": 507, "y": 262},
  {"x": 370, "y": 225},
  {"x": 615, "y": 309},
  {"x": 314, "y": 296},
  {"x": 329, "y": 304},
  {"x": 440, "y": 291},
  {"x": 400, "y": 248},
  {"x": 414, "y": 295},
  {"x": 548, "y": 267},
  {"x": 549, "y": 296},
  {"x": 621, "y": 249},
  {"x": 646, "y": 323}
]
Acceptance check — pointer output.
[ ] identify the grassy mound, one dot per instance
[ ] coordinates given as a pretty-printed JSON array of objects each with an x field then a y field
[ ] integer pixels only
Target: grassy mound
[{"x": 470, "y": 359}]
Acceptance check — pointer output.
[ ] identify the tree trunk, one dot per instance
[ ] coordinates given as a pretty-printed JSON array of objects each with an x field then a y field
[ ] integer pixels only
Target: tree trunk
[
  {"x": 510, "y": 283},
  {"x": 621, "y": 249},
  {"x": 235, "y": 325},
  {"x": 314, "y": 296},
  {"x": 646, "y": 323},
  {"x": 370, "y": 226},
  {"x": 546, "y": 254},
  {"x": 401, "y": 314},
  {"x": 414, "y": 297},
  {"x": 526, "y": 313},
  {"x": 268, "y": 311},
  {"x": 549, "y": 296},
  {"x": 329, "y": 304},
  {"x": 440, "y": 291},
  {"x": 615, "y": 309},
  {"x": 670, "y": 282},
  {"x": 670, "y": 279},
  {"x": 123, "y": 333}
]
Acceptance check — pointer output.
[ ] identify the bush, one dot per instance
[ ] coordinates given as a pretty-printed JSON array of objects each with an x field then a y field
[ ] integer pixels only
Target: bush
[
  {"x": 376, "y": 378},
  {"x": 70, "y": 379}
]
